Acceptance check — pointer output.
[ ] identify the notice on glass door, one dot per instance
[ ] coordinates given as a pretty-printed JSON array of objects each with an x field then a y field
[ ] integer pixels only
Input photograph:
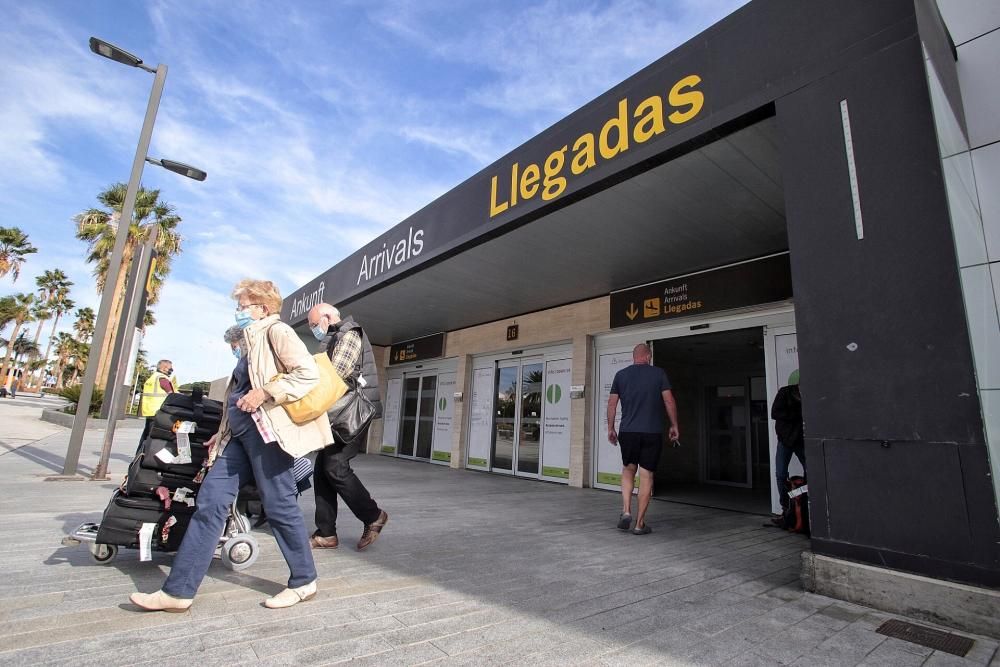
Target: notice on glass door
[
  {"x": 481, "y": 418},
  {"x": 444, "y": 413},
  {"x": 609, "y": 458},
  {"x": 556, "y": 429},
  {"x": 390, "y": 420}
]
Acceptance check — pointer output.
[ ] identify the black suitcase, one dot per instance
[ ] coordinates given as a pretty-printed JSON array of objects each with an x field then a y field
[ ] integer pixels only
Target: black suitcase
[
  {"x": 205, "y": 412},
  {"x": 125, "y": 515},
  {"x": 189, "y": 470},
  {"x": 142, "y": 480}
]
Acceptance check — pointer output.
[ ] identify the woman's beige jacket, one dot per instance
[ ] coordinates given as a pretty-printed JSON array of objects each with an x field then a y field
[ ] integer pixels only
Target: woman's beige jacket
[{"x": 299, "y": 374}]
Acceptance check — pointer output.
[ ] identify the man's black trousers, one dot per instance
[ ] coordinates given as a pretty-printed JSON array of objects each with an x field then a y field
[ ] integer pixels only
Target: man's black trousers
[{"x": 333, "y": 476}]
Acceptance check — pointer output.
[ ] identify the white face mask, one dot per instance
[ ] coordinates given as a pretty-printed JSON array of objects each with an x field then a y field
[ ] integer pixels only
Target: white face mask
[{"x": 318, "y": 331}]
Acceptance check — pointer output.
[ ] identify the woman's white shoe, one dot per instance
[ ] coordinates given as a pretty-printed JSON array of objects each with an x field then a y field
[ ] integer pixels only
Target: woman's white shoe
[
  {"x": 292, "y": 596},
  {"x": 160, "y": 601}
]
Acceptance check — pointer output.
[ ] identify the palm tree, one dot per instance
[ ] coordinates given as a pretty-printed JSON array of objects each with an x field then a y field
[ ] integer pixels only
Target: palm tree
[
  {"x": 53, "y": 286},
  {"x": 21, "y": 314},
  {"x": 79, "y": 359},
  {"x": 84, "y": 325},
  {"x": 13, "y": 248},
  {"x": 65, "y": 345},
  {"x": 41, "y": 313},
  {"x": 98, "y": 228},
  {"x": 8, "y": 306}
]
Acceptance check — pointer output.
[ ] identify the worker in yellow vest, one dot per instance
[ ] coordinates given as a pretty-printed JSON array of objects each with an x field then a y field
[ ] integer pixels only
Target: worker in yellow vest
[{"x": 154, "y": 392}]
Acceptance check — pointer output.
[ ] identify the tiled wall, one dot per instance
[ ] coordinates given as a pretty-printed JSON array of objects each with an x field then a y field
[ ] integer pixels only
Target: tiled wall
[{"x": 972, "y": 176}]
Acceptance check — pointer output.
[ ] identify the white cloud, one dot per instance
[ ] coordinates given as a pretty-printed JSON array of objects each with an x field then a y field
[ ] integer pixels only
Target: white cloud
[
  {"x": 191, "y": 319},
  {"x": 50, "y": 79}
]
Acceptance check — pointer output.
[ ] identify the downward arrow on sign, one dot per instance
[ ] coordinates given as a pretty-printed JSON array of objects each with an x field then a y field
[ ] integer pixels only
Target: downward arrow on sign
[{"x": 632, "y": 311}]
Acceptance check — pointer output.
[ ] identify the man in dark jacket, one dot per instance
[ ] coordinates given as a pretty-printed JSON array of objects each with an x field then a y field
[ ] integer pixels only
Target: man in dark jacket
[
  {"x": 786, "y": 411},
  {"x": 351, "y": 356}
]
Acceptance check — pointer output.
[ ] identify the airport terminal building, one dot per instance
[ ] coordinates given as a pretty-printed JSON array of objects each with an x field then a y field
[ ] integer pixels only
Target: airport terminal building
[{"x": 793, "y": 191}]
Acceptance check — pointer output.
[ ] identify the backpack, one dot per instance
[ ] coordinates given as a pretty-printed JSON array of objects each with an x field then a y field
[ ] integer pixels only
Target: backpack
[{"x": 795, "y": 518}]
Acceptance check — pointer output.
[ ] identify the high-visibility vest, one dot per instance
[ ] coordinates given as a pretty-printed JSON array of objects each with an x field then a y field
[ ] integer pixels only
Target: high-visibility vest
[{"x": 153, "y": 394}]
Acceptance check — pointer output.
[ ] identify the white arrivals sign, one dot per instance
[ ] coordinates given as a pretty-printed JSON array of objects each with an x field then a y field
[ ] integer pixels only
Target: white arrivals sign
[
  {"x": 481, "y": 418},
  {"x": 444, "y": 413},
  {"x": 556, "y": 429},
  {"x": 390, "y": 426},
  {"x": 609, "y": 458}
]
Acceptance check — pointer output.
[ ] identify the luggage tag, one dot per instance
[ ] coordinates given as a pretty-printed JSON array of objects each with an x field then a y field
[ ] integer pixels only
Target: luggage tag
[
  {"x": 146, "y": 541},
  {"x": 165, "y": 533},
  {"x": 795, "y": 493},
  {"x": 181, "y": 496},
  {"x": 361, "y": 381},
  {"x": 183, "y": 429},
  {"x": 165, "y": 456}
]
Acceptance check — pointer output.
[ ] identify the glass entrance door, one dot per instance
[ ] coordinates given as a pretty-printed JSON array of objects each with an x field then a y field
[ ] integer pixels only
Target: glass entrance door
[
  {"x": 529, "y": 432},
  {"x": 517, "y": 421},
  {"x": 419, "y": 397},
  {"x": 505, "y": 417}
]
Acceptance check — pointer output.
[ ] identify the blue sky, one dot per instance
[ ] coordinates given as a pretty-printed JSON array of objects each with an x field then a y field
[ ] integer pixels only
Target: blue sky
[{"x": 320, "y": 124}]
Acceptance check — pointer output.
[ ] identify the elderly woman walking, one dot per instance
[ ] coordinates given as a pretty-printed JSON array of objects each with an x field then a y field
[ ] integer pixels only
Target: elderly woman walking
[{"x": 276, "y": 368}]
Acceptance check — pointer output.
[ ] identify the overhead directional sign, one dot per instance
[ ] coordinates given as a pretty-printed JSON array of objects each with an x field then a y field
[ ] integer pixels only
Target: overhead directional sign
[
  {"x": 418, "y": 349},
  {"x": 746, "y": 284}
]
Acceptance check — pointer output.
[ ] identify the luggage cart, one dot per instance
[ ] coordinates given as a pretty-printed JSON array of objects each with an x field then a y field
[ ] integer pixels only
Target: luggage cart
[{"x": 237, "y": 549}]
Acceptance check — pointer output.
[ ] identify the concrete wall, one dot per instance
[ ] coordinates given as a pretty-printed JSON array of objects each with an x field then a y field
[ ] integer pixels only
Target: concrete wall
[{"x": 971, "y": 166}]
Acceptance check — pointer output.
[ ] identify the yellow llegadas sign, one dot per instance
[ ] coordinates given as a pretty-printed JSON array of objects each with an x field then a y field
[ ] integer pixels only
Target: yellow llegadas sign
[{"x": 614, "y": 138}]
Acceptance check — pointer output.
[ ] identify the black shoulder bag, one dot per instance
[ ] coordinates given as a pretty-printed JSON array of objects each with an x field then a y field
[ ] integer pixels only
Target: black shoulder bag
[{"x": 351, "y": 415}]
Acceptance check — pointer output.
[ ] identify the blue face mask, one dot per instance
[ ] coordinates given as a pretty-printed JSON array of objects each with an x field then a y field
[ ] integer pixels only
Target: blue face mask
[
  {"x": 318, "y": 332},
  {"x": 237, "y": 352},
  {"x": 243, "y": 318}
]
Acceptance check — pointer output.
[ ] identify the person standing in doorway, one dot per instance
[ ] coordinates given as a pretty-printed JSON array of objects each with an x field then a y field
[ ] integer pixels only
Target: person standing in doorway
[
  {"x": 350, "y": 353},
  {"x": 154, "y": 392},
  {"x": 786, "y": 411},
  {"x": 645, "y": 395}
]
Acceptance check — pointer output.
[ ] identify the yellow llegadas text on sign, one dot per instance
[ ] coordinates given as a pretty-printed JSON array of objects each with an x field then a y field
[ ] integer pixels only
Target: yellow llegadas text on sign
[{"x": 614, "y": 138}]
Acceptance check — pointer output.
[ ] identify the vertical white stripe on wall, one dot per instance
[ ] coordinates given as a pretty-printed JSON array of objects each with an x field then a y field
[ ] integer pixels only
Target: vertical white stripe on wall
[{"x": 852, "y": 171}]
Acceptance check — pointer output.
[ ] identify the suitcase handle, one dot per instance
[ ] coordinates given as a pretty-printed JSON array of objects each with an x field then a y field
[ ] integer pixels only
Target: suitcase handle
[{"x": 196, "y": 403}]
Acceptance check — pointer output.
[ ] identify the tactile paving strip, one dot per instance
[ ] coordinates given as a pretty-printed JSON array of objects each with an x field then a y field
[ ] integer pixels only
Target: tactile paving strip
[{"x": 929, "y": 637}]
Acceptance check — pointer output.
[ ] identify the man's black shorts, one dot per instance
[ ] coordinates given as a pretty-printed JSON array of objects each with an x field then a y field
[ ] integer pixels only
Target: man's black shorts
[{"x": 642, "y": 449}]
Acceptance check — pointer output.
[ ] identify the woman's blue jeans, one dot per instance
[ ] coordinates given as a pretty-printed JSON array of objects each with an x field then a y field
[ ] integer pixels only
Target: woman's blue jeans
[{"x": 246, "y": 458}]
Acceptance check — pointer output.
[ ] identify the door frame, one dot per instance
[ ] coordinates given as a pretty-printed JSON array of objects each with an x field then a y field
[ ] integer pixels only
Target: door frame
[
  {"x": 541, "y": 353},
  {"x": 775, "y": 318},
  {"x": 399, "y": 372},
  {"x": 418, "y": 375}
]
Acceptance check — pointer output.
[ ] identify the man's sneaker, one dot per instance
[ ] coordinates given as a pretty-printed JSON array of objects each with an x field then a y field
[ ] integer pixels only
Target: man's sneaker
[
  {"x": 624, "y": 521},
  {"x": 372, "y": 531},
  {"x": 319, "y": 542}
]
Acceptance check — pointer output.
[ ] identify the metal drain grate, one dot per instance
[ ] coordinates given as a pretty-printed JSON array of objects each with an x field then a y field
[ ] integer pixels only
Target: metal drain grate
[{"x": 929, "y": 637}]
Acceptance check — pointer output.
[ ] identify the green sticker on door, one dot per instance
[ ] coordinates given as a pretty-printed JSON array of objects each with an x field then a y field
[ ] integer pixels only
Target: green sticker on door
[{"x": 553, "y": 394}]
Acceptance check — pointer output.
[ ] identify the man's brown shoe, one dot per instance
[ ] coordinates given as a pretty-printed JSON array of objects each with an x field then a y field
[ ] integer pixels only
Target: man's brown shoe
[
  {"x": 372, "y": 531},
  {"x": 318, "y": 542}
]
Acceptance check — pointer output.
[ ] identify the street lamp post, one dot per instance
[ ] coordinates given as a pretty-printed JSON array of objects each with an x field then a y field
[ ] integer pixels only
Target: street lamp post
[
  {"x": 125, "y": 355},
  {"x": 112, "y": 52}
]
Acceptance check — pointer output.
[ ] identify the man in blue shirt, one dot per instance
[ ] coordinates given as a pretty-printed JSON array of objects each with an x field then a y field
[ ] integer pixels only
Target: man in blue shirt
[{"x": 644, "y": 392}]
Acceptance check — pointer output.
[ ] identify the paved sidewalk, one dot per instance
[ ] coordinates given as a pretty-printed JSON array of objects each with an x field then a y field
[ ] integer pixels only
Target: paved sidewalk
[{"x": 471, "y": 569}]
